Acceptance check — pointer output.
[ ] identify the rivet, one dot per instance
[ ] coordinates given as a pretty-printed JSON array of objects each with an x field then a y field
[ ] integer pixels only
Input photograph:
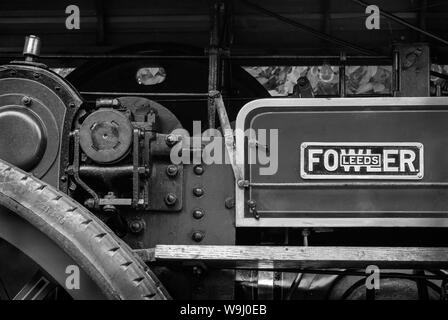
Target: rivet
[
  {"x": 171, "y": 170},
  {"x": 198, "y": 213},
  {"x": 136, "y": 226},
  {"x": 198, "y": 169},
  {"x": 198, "y": 191},
  {"x": 197, "y": 236}
]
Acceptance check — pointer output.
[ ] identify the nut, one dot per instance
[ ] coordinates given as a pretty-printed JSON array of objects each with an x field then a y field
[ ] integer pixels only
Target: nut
[{"x": 170, "y": 199}]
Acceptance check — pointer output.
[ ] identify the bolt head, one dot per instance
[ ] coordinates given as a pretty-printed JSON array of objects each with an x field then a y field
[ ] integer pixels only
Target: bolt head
[
  {"x": 26, "y": 101},
  {"x": 170, "y": 199}
]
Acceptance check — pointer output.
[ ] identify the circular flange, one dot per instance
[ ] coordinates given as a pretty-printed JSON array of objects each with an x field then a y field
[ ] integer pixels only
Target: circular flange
[{"x": 106, "y": 136}]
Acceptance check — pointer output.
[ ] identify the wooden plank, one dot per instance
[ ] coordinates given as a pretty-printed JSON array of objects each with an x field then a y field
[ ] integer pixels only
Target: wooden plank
[{"x": 270, "y": 257}]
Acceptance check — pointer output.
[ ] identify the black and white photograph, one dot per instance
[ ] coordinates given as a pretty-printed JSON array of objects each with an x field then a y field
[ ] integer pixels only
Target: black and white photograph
[{"x": 234, "y": 157}]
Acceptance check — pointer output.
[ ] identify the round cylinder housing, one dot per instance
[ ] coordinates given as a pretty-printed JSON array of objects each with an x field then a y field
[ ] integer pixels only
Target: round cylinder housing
[{"x": 106, "y": 136}]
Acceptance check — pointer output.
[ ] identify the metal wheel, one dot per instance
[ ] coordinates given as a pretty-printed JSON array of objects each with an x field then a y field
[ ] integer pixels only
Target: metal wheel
[{"x": 55, "y": 231}]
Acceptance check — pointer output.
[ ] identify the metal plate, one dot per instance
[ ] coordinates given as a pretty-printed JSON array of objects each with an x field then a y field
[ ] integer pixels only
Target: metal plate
[
  {"x": 361, "y": 160},
  {"x": 286, "y": 198}
]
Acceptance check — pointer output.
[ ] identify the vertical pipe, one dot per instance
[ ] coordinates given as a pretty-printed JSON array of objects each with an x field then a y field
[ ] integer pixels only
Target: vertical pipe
[
  {"x": 213, "y": 65},
  {"x": 396, "y": 72},
  {"x": 342, "y": 85}
]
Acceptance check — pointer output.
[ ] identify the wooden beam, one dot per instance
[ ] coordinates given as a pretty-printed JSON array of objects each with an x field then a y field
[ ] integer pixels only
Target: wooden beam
[{"x": 273, "y": 257}]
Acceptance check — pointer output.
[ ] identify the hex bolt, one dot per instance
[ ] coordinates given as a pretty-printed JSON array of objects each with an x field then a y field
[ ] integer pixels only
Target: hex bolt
[
  {"x": 243, "y": 183},
  {"x": 198, "y": 213},
  {"x": 198, "y": 191},
  {"x": 198, "y": 169},
  {"x": 170, "y": 199},
  {"x": 171, "y": 170},
  {"x": 26, "y": 101},
  {"x": 171, "y": 139},
  {"x": 136, "y": 226},
  {"x": 197, "y": 236}
]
